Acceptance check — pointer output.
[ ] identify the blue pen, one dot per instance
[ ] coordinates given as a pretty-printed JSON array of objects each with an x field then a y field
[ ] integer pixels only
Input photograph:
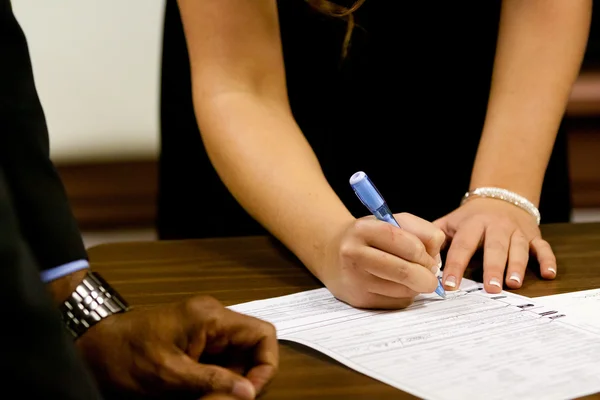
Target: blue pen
[{"x": 372, "y": 199}]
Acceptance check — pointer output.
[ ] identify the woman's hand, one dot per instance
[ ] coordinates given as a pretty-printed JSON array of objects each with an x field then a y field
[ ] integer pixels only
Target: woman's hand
[
  {"x": 373, "y": 264},
  {"x": 507, "y": 234}
]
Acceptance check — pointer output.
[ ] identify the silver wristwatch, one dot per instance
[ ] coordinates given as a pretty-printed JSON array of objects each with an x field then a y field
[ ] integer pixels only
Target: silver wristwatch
[{"x": 92, "y": 301}]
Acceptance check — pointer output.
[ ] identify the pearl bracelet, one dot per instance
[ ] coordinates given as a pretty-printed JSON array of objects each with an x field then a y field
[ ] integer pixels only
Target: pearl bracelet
[{"x": 506, "y": 195}]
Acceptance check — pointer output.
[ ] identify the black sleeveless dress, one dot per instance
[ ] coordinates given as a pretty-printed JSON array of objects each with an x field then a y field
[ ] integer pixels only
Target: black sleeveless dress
[{"x": 406, "y": 106}]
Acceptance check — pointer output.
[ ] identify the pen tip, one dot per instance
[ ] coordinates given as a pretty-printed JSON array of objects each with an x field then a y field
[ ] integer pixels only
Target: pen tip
[{"x": 440, "y": 291}]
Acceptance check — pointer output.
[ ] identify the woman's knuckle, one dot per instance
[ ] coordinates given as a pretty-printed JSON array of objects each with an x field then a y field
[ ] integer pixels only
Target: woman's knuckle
[
  {"x": 439, "y": 237},
  {"x": 362, "y": 226},
  {"x": 498, "y": 245},
  {"x": 348, "y": 251},
  {"x": 519, "y": 235},
  {"x": 418, "y": 249}
]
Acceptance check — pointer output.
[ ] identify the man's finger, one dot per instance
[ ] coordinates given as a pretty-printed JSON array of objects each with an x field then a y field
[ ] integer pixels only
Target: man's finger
[
  {"x": 260, "y": 376},
  {"x": 218, "y": 396},
  {"x": 183, "y": 373},
  {"x": 266, "y": 359},
  {"x": 245, "y": 332}
]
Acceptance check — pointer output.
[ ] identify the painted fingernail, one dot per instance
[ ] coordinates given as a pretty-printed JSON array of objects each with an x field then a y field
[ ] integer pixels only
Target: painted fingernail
[
  {"x": 450, "y": 281},
  {"x": 553, "y": 270},
  {"x": 243, "y": 390},
  {"x": 515, "y": 277},
  {"x": 495, "y": 282}
]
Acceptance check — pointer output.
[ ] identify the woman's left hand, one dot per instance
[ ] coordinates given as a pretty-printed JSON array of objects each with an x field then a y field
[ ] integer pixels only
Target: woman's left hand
[{"x": 507, "y": 234}]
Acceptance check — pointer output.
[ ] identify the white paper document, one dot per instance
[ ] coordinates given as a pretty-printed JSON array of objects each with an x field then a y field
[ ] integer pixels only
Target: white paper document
[
  {"x": 471, "y": 345},
  {"x": 582, "y": 307}
]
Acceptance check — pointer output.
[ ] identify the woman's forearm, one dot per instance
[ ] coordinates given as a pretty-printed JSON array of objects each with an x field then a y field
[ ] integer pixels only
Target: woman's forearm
[
  {"x": 540, "y": 48},
  {"x": 242, "y": 109},
  {"x": 261, "y": 155}
]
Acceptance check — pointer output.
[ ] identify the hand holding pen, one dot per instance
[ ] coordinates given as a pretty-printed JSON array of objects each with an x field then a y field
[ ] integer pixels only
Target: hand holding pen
[
  {"x": 373, "y": 264},
  {"x": 369, "y": 195}
]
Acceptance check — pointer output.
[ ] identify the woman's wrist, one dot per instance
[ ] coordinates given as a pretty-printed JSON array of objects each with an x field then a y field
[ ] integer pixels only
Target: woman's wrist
[
  {"x": 318, "y": 253},
  {"x": 505, "y": 195},
  {"x": 523, "y": 182}
]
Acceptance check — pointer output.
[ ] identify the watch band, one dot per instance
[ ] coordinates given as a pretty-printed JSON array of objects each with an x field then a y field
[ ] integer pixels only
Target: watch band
[{"x": 92, "y": 301}]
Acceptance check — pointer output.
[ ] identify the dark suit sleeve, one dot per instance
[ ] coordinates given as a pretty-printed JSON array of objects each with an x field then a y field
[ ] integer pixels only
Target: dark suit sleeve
[
  {"x": 43, "y": 213},
  {"x": 39, "y": 361}
]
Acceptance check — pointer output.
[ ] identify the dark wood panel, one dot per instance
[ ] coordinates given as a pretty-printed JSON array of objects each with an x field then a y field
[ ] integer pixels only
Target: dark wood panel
[
  {"x": 584, "y": 160},
  {"x": 585, "y": 95},
  {"x": 583, "y": 124},
  {"x": 243, "y": 269},
  {"x": 112, "y": 195}
]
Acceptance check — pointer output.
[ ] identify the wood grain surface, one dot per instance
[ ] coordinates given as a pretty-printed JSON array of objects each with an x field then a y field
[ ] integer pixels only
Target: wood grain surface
[{"x": 237, "y": 270}]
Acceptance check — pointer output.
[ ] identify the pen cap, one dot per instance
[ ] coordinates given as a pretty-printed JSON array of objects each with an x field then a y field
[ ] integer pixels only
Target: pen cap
[{"x": 366, "y": 191}]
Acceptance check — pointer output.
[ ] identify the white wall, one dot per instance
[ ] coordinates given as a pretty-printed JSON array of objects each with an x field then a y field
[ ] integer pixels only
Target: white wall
[{"x": 97, "y": 70}]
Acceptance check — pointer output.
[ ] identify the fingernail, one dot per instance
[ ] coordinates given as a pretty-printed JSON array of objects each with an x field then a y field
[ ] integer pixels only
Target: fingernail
[
  {"x": 450, "y": 281},
  {"x": 243, "y": 390},
  {"x": 435, "y": 270},
  {"x": 438, "y": 260},
  {"x": 515, "y": 277},
  {"x": 495, "y": 282},
  {"x": 553, "y": 270}
]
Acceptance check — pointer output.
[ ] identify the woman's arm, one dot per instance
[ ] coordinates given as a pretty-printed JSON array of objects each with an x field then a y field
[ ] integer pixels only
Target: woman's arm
[
  {"x": 251, "y": 137},
  {"x": 540, "y": 48}
]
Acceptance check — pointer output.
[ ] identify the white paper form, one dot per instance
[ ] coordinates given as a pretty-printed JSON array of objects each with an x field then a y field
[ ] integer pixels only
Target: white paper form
[
  {"x": 582, "y": 307},
  {"x": 471, "y": 345}
]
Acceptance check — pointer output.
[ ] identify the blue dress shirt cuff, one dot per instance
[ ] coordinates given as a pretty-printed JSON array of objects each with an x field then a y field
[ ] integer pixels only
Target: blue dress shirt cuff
[{"x": 63, "y": 270}]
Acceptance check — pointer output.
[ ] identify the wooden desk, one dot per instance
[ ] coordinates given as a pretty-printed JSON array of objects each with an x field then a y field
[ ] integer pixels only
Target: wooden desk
[{"x": 243, "y": 269}]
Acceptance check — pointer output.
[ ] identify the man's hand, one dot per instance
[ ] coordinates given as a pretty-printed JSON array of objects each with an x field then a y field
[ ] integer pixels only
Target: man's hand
[
  {"x": 218, "y": 396},
  {"x": 195, "y": 347}
]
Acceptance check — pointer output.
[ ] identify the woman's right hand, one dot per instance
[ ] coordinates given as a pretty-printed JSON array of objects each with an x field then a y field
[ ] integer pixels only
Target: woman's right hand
[{"x": 373, "y": 264}]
